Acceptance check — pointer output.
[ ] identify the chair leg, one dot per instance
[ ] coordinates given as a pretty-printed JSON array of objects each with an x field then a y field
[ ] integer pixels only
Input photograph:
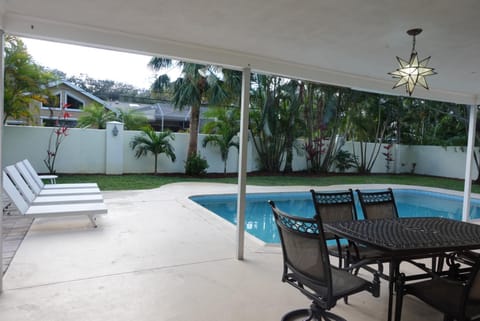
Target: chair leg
[
  {"x": 297, "y": 315},
  {"x": 92, "y": 220},
  {"x": 321, "y": 314},
  {"x": 315, "y": 313}
]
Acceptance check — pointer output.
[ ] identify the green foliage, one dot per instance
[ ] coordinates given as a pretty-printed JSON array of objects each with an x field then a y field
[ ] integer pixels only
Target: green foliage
[
  {"x": 324, "y": 112},
  {"x": 222, "y": 130},
  {"x": 275, "y": 120},
  {"x": 107, "y": 90},
  {"x": 131, "y": 119},
  {"x": 151, "y": 142},
  {"x": 24, "y": 80},
  {"x": 95, "y": 116},
  {"x": 368, "y": 118},
  {"x": 195, "y": 165},
  {"x": 199, "y": 84},
  {"x": 344, "y": 160}
]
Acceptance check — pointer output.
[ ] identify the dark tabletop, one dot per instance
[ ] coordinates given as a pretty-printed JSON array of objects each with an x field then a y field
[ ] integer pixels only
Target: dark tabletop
[{"x": 410, "y": 236}]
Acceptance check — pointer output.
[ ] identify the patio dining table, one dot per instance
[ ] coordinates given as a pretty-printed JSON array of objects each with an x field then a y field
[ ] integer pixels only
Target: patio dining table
[{"x": 404, "y": 239}]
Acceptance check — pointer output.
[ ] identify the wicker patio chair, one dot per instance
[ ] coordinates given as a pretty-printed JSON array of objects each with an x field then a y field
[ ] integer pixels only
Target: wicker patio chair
[
  {"x": 306, "y": 266},
  {"x": 377, "y": 205},
  {"x": 340, "y": 206}
]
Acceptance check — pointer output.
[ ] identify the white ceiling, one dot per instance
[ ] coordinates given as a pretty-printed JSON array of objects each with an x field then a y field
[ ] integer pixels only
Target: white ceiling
[{"x": 344, "y": 42}]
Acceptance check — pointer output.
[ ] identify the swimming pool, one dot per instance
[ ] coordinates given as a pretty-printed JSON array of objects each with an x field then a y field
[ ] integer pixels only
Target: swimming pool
[{"x": 259, "y": 219}]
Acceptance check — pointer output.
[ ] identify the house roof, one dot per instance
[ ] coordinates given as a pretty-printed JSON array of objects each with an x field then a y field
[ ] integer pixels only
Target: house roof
[
  {"x": 78, "y": 89},
  {"x": 342, "y": 42},
  {"x": 153, "y": 112}
]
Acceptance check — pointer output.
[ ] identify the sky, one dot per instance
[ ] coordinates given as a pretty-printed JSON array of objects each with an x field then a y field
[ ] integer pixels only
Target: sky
[{"x": 99, "y": 64}]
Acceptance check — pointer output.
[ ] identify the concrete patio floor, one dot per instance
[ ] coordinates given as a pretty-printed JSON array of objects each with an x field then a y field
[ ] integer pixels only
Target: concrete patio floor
[{"x": 159, "y": 256}]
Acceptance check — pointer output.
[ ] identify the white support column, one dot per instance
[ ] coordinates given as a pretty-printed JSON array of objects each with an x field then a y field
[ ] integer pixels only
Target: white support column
[
  {"x": 242, "y": 163},
  {"x": 2, "y": 94},
  {"x": 467, "y": 189},
  {"x": 114, "y": 148}
]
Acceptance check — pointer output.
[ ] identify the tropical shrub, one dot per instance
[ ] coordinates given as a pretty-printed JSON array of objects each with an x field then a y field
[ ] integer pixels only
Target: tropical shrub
[
  {"x": 151, "y": 142},
  {"x": 195, "y": 165}
]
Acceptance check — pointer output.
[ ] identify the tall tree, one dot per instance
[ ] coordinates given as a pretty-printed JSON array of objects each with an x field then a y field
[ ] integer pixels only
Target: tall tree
[
  {"x": 290, "y": 110},
  {"x": 326, "y": 110},
  {"x": 199, "y": 84},
  {"x": 25, "y": 81},
  {"x": 267, "y": 137},
  {"x": 368, "y": 117}
]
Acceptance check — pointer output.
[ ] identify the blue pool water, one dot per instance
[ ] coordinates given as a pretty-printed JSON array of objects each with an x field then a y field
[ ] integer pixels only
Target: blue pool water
[{"x": 259, "y": 219}]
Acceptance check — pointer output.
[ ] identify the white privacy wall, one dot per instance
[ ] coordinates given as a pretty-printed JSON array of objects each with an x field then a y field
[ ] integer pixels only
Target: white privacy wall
[{"x": 84, "y": 151}]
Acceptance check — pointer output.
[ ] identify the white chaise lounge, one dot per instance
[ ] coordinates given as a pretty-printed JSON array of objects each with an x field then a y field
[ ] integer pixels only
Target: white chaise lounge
[
  {"x": 32, "y": 199},
  {"x": 67, "y": 189},
  {"x": 37, "y": 211},
  {"x": 39, "y": 182}
]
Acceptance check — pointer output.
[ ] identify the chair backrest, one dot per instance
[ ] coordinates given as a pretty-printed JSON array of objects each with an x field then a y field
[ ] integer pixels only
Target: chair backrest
[
  {"x": 334, "y": 207},
  {"x": 14, "y": 194},
  {"x": 377, "y": 205},
  {"x": 27, "y": 176},
  {"x": 304, "y": 250},
  {"x": 33, "y": 172},
  {"x": 20, "y": 183}
]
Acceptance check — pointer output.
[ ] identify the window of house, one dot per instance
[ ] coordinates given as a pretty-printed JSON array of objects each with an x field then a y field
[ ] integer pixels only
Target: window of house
[
  {"x": 53, "y": 122},
  {"x": 74, "y": 103},
  {"x": 53, "y": 101}
]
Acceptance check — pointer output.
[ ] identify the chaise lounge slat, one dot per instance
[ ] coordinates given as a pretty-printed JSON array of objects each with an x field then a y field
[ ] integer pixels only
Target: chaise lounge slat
[
  {"x": 66, "y": 209},
  {"x": 67, "y": 199}
]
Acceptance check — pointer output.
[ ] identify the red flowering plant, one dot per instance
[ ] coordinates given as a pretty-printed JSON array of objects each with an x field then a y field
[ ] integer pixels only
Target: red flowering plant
[
  {"x": 388, "y": 156},
  {"x": 314, "y": 151},
  {"x": 58, "y": 134}
]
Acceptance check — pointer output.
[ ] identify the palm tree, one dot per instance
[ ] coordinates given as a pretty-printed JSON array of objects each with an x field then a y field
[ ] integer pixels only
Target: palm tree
[
  {"x": 198, "y": 84},
  {"x": 95, "y": 116},
  {"x": 150, "y": 141},
  {"x": 222, "y": 131}
]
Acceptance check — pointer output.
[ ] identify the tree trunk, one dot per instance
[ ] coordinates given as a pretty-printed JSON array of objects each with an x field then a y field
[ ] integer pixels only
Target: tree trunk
[
  {"x": 289, "y": 153},
  {"x": 156, "y": 158},
  {"x": 194, "y": 120}
]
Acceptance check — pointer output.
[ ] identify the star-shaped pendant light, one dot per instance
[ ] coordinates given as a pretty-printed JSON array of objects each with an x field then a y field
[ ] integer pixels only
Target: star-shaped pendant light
[{"x": 412, "y": 72}]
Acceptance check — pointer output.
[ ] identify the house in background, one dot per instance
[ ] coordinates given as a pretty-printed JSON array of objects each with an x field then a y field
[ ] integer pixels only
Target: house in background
[
  {"x": 161, "y": 115},
  {"x": 63, "y": 93}
]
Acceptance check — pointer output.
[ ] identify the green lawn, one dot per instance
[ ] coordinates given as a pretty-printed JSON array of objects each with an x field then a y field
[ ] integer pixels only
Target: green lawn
[{"x": 130, "y": 182}]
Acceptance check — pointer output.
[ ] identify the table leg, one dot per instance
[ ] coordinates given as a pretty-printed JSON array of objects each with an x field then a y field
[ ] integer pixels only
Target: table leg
[{"x": 394, "y": 270}]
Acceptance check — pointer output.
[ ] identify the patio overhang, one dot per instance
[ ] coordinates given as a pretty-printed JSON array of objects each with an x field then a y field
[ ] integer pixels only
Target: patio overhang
[{"x": 346, "y": 43}]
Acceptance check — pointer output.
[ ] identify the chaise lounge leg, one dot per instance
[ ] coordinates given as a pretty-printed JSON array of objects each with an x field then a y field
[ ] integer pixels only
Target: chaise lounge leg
[{"x": 92, "y": 220}]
